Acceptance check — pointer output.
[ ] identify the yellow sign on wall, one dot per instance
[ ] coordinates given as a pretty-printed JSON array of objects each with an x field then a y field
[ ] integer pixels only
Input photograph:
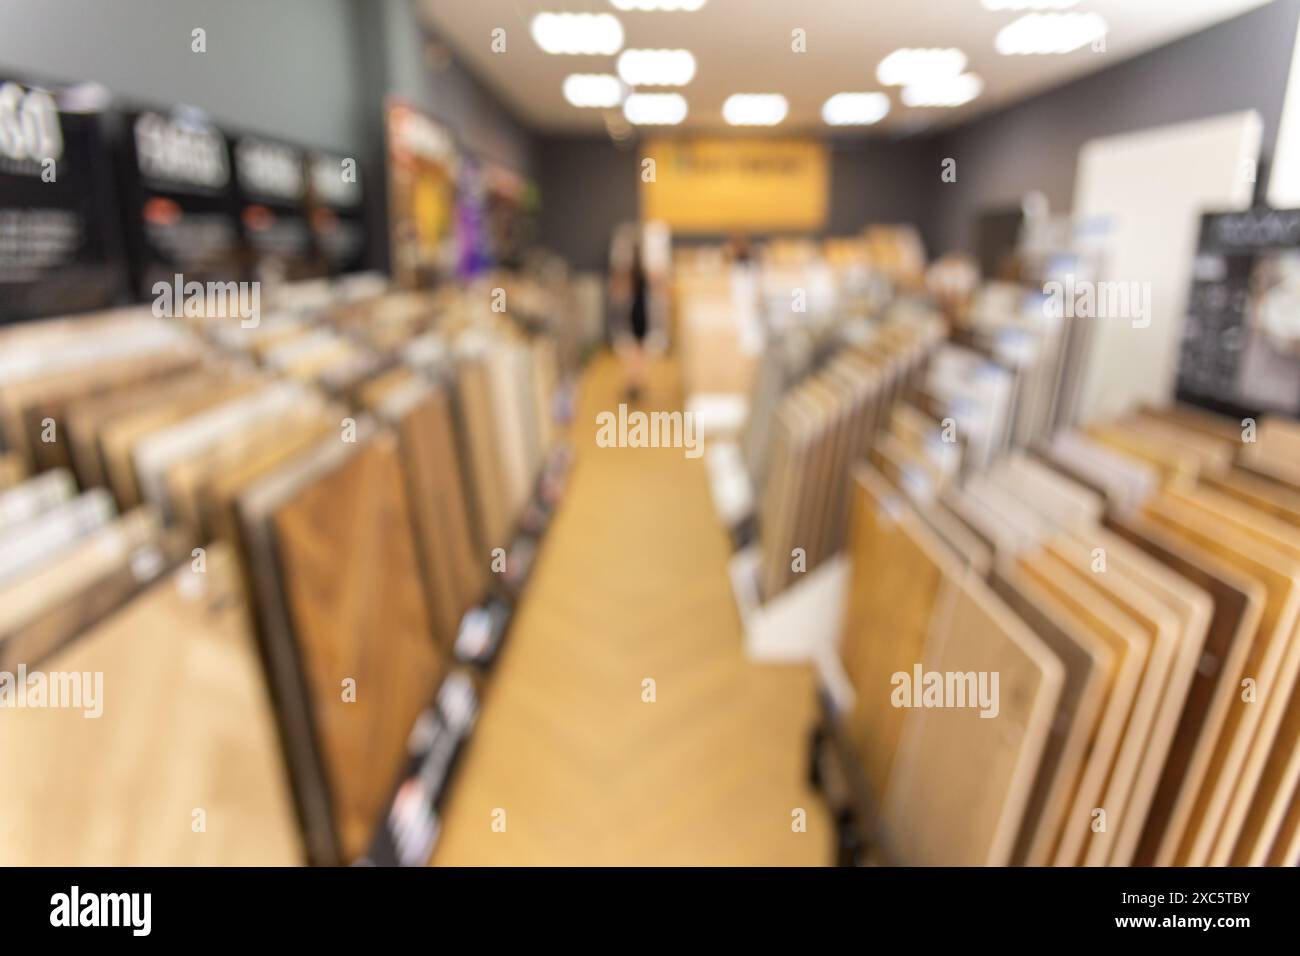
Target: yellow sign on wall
[{"x": 721, "y": 185}]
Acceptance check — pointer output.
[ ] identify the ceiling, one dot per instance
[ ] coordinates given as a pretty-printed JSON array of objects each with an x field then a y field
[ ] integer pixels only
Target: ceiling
[{"x": 745, "y": 46}]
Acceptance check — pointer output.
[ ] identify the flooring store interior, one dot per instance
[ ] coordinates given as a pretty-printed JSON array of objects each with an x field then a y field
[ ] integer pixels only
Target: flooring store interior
[{"x": 650, "y": 433}]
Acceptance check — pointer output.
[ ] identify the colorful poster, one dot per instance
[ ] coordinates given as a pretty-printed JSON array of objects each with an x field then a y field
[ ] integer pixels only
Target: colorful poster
[{"x": 422, "y": 175}]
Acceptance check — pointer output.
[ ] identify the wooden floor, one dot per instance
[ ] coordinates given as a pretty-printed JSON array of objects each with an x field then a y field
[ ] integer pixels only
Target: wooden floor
[{"x": 632, "y": 584}]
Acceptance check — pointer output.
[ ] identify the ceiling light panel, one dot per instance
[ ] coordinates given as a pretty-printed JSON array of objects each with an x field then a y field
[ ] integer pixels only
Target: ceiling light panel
[
  {"x": 667, "y": 5},
  {"x": 593, "y": 90},
  {"x": 1041, "y": 33},
  {"x": 654, "y": 109},
  {"x": 920, "y": 64},
  {"x": 855, "y": 109},
  {"x": 656, "y": 67},
  {"x": 578, "y": 33},
  {"x": 1018, "y": 5},
  {"x": 949, "y": 91},
  {"x": 755, "y": 109}
]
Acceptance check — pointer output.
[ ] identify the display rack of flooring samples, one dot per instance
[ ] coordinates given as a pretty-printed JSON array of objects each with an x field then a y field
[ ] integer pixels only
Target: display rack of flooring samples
[
  {"x": 820, "y": 428},
  {"x": 1156, "y": 558}
]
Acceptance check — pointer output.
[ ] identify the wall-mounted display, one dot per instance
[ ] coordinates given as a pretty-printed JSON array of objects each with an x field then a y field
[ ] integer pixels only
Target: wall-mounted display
[{"x": 57, "y": 209}]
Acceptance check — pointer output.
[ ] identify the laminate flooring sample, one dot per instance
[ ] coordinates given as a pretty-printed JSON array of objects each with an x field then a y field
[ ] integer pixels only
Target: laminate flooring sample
[
  {"x": 961, "y": 781},
  {"x": 1192, "y": 608},
  {"x": 479, "y": 429},
  {"x": 185, "y": 725},
  {"x": 34, "y": 497},
  {"x": 1238, "y": 605},
  {"x": 352, "y": 588},
  {"x": 1089, "y": 665},
  {"x": 29, "y": 545},
  {"x": 897, "y": 571},
  {"x": 1265, "y": 780},
  {"x": 1276, "y": 630},
  {"x": 1129, "y": 647},
  {"x": 1163, "y": 629},
  {"x": 452, "y": 572}
]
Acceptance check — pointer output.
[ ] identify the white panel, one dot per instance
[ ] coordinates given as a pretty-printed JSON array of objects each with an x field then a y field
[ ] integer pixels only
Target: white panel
[
  {"x": 1144, "y": 193},
  {"x": 1284, "y": 176}
]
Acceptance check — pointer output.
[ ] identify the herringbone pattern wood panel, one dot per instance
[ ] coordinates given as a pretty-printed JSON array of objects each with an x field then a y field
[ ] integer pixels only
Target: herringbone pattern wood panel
[{"x": 632, "y": 584}]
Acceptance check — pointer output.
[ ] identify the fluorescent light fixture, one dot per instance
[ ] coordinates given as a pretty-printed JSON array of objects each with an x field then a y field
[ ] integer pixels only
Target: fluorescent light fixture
[
  {"x": 917, "y": 65},
  {"x": 593, "y": 90},
  {"x": 755, "y": 109},
  {"x": 655, "y": 109},
  {"x": 687, "y": 5},
  {"x": 1049, "y": 33},
  {"x": 576, "y": 33},
  {"x": 656, "y": 67},
  {"x": 855, "y": 109},
  {"x": 1000, "y": 5},
  {"x": 953, "y": 91}
]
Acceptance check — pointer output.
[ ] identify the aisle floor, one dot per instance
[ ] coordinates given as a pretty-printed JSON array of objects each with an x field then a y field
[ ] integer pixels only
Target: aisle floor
[{"x": 632, "y": 584}]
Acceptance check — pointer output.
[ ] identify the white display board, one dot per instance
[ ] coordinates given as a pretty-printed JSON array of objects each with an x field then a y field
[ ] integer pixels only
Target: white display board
[{"x": 1143, "y": 193}]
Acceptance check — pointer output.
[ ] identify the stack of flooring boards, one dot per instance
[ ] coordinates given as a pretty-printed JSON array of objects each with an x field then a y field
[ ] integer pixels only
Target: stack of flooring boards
[
  {"x": 807, "y": 431},
  {"x": 1135, "y": 587},
  {"x": 265, "y": 539}
]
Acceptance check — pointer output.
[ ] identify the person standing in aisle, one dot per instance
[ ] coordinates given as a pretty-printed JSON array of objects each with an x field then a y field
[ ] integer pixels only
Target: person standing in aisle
[{"x": 629, "y": 297}]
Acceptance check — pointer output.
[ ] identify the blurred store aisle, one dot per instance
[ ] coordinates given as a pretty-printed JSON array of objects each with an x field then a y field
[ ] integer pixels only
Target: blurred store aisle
[{"x": 632, "y": 584}]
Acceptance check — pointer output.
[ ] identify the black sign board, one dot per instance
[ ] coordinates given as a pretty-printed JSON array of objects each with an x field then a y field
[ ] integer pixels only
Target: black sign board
[
  {"x": 1241, "y": 343},
  {"x": 57, "y": 209},
  {"x": 337, "y": 212},
  {"x": 178, "y": 199}
]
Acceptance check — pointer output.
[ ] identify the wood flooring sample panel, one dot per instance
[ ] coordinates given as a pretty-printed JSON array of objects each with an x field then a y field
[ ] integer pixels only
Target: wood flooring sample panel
[
  {"x": 185, "y": 724},
  {"x": 1088, "y": 664},
  {"x": 894, "y": 581},
  {"x": 353, "y": 590},
  {"x": 1238, "y": 605},
  {"x": 961, "y": 781}
]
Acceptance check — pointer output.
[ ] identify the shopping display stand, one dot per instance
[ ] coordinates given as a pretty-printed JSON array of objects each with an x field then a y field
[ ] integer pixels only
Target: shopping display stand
[
  {"x": 409, "y": 831},
  {"x": 804, "y": 619}
]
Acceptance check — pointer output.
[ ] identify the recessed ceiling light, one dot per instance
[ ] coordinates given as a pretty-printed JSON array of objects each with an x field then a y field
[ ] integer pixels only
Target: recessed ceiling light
[
  {"x": 949, "y": 91},
  {"x": 755, "y": 109},
  {"x": 656, "y": 67},
  {"x": 575, "y": 33},
  {"x": 687, "y": 5},
  {"x": 1028, "y": 4},
  {"x": 593, "y": 90},
  {"x": 915, "y": 65},
  {"x": 855, "y": 109},
  {"x": 655, "y": 109},
  {"x": 1050, "y": 33}
]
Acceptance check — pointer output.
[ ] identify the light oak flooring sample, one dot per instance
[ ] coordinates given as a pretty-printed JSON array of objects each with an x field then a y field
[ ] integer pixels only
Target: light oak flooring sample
[
  {"x": 186, "y": 725},
  {"x": 1130, "y": 647},
  {"x": 961, "y": 781},
  {"x": 1276, "y": 630},
  {"x": 1089, "y": 665},
  {"x": 1238, "y": 604}
]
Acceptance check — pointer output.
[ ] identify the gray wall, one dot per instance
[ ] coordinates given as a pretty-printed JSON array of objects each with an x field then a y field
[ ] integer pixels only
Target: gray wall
[
  {"x": 284, "y": 67},
  {"x": 1240, "y": 64}
]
